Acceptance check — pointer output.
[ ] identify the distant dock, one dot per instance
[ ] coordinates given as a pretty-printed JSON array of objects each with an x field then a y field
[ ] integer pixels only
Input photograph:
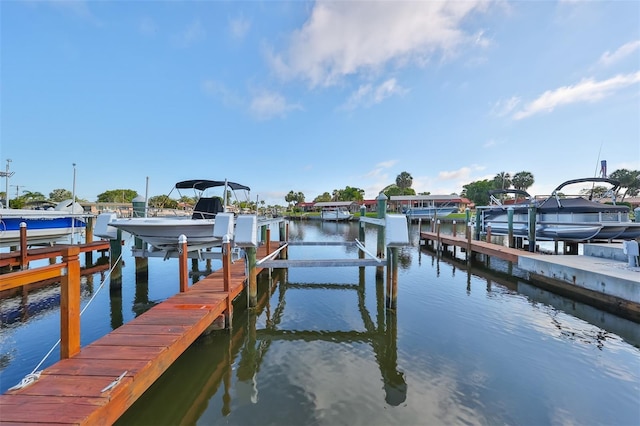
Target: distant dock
[{"x": 605, "y": 282}]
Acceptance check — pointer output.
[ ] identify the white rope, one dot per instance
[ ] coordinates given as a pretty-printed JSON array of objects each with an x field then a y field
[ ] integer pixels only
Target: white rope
[
  {"x": 272, "y": 255},
  {"x": 114, "y": 383},
  {"x": 35, "y": 375},
  {"x": 28, "y": 379}
]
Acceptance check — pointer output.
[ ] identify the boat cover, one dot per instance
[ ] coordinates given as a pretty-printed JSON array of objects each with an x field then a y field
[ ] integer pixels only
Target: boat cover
[
  {"x": 580, "y": 205},
  {"x": 202, "y": 184}
]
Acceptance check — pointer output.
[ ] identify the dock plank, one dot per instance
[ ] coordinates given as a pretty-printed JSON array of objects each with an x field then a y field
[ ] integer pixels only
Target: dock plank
[{"x": 144, "y": 348}]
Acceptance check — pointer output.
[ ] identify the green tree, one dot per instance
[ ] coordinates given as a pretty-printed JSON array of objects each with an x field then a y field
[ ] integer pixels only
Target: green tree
[
  {"x": 294, "y": 197},
  {"x": 322, "y": 198},
  {"x": 394, "y": 189},
  {"x": 629, "y": 180},
  {"x": 348, "y": 194},
  {"x": 478, "y": 191},
  {"x": 117, "y": 196},
  {"x": 60, "y": 195},
  {"x": 162, "y": 202},
  {"x": 404, "y": 180},
  {"x": 502, "y": 180},
  {"x": 32, "y": 196},
  {"x": 522, "y": 180}
]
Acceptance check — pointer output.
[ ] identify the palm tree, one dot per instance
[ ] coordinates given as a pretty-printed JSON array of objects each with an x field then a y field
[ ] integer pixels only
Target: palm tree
[
  {"x": 404, "y": 180},
  {"x": 502, "y": 180},
  {"x": 522, "y": 180}
]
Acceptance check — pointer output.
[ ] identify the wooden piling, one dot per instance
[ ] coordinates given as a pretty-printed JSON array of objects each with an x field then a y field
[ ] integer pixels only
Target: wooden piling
[
  {"x": 70, "y": 304},
  {"x": 253, "y": 277},
  {"x": 268, "y": 241},
  {"x": 510, "y": 225},
  {"x": 24, "y": 263},
  {"x": 182, "y": 259},
  {"x": 226, "y": 278},
  {"x": 532, "y": 227}
]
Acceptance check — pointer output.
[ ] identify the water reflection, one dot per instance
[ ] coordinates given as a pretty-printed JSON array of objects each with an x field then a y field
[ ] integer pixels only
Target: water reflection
[{"x": 242, "y": 351}]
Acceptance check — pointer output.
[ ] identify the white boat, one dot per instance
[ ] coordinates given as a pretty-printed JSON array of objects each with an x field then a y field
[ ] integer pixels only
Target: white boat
[
  {"x": 162, "y": 233},
  {"x": 336, "y": 214},
  {"x": 43, "y": 226},
  {"x": 560, "y": 217}
]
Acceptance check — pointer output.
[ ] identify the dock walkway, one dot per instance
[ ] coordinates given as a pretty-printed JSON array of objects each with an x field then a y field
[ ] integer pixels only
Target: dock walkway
[
  {"x": 606, "y": 283},
  {"x": 100, "y": 383}
]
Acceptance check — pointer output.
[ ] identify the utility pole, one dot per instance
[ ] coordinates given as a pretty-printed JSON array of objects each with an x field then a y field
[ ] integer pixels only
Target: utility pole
[
  {"x": 18, "y": 189},
  {"x": 7, "y": 174}
]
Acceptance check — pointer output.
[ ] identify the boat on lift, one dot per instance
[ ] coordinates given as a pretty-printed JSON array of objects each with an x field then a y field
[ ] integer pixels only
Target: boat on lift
[
  {"x": 560, "y": 217},
  {"x": 162, "y": 233},
  {"x": 336, "y": 214},
  {"x": 44, "y": 226}
]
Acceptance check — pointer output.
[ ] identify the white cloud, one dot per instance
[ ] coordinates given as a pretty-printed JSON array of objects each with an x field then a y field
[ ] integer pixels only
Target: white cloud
[
  {"x": 623, "y": 51},
  {"x": 193, "y": 33},
  {"x": 505, "y": 107},
  {"x": 343, "y": 38},
  {"x": 220, "y": 91},
  {"x": 368, "y": 95},
  {"x": 587, "y": 90},
  {"x": 267, "y": 104},
  {"x": 239, "y": 27},
  {"x": 147, "y": 27}
]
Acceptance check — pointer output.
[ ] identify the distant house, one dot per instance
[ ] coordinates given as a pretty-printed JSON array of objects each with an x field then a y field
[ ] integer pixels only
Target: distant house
[{"x": 400, "y": 203}]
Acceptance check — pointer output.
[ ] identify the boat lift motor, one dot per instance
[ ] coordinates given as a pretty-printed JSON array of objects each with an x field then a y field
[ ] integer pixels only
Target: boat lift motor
[{"x": 630, "y": 248}]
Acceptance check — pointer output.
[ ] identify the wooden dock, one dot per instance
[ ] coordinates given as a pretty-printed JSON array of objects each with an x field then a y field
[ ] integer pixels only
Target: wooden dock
[
  {"x": 106, "y": 377},
  {"x": 17, "y": 258},
  {"x": 473, "y": 246}
]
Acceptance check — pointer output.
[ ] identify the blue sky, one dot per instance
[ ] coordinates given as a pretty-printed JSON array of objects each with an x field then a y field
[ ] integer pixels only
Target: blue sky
[{"x": 315, "y": 96}]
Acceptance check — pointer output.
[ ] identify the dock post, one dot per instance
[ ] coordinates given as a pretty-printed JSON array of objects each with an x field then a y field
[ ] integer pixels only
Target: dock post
[
  {"x": 510, "y": 226},
  {"x": 488, "y": 233},
  {"x": 532, "y": 228},
  {"x": 268, "y": 241},
  {"x": 184, "y": 272},
  {"x": 115, "y": 250},
  {"x": 392, "y": 279},
  {"x": 253, "y": 277},
  {"x": 24, "y": 258},
  {"x": 381, "y": 213},
  {"x": 439, "y": 246},
  {"x": 88, "y": 238},
  {"x": 453, "y": 230},
  {"x": 468, "y": 253},
  {"x": 226, "y": 274},
  {"x": 478, "y": 225},
  {"x": 70, "y": 304},
  {"x": 361, "y": 230}
]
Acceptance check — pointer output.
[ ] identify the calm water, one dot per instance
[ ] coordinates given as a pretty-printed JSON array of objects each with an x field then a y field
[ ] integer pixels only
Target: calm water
[{"x": 464, "y": 346}]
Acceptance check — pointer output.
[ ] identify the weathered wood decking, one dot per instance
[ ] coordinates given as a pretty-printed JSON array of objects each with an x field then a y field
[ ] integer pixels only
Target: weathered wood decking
[
  {"x": 490, "y": 249},
  {"x": 14, "y": 258},
  {"x": 73, "y": 391}
]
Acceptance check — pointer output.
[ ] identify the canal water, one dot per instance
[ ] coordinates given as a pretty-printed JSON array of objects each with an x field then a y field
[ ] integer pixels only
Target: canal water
[{"x": 465, "y": 345}]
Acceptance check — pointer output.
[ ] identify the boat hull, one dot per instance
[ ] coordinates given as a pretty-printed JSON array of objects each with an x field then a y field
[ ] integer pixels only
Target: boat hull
[
  {"x": 562, "y": 226},
  {"x": 164, "y": 233},
  {"x": 42, "y": 227},
  {"x": 336, "y": 215}
]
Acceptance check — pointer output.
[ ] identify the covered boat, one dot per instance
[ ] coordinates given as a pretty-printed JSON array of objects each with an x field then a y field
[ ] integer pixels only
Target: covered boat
[{"x": 560, "y": 217}]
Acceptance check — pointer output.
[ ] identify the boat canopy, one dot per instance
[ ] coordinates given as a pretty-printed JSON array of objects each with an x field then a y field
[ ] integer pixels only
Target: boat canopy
[
  {"x": 202, "y": 184},
  {"x": 613, "y": 182}
]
